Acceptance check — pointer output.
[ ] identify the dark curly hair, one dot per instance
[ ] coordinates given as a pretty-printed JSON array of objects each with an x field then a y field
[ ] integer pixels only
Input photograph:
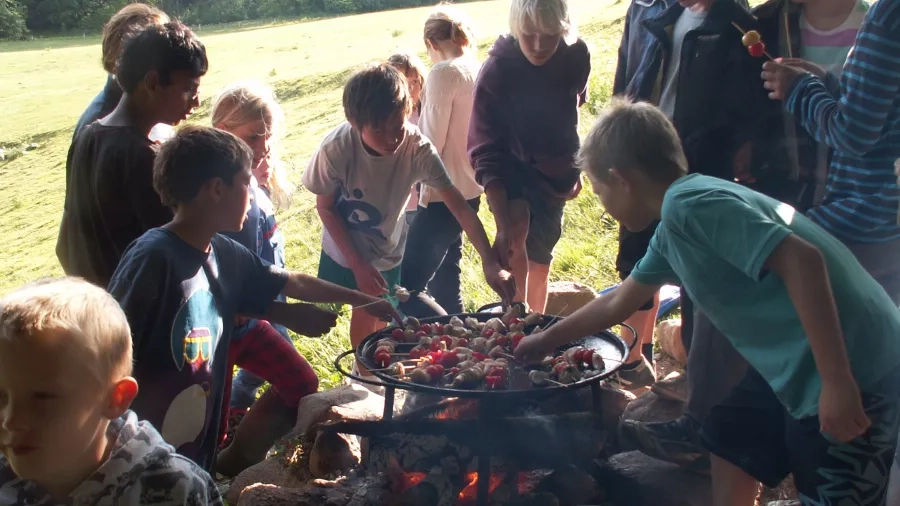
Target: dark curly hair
[{"x": 167, "y": 49}]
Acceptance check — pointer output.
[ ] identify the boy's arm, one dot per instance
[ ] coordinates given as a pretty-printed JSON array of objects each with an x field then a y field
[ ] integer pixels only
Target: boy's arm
[
  {"x": 145, "y": 202},
  {"x": 870, "y": 83},
  {"x": 802, "y": 268},
  {"x": 598, "y": 315}
]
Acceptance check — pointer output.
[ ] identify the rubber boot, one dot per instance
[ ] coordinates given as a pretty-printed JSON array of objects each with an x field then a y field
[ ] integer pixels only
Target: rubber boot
[{"x": 266, "y": 421}]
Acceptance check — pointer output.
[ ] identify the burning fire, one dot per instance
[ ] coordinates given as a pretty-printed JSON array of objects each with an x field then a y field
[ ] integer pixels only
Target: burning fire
[
  {"x": 461, "y": 409},
  {"x": 525, "y": 482}
]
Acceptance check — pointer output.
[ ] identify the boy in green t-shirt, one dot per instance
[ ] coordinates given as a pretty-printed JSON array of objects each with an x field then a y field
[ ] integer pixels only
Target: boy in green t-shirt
[{"x": 822, "y": 337}]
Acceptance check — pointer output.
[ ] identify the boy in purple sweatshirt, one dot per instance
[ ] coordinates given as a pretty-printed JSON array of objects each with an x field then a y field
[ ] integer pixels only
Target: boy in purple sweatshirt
[{"x": 523, "y": 136}]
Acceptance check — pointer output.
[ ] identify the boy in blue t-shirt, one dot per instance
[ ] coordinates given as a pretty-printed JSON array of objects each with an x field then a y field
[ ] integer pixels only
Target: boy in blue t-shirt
[
  {"x": 821, "y": 335},
  {"x": 182, "y": 285}
]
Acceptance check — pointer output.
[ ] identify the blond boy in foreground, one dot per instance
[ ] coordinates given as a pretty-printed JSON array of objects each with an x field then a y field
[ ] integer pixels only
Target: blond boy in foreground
[
  {"x": 66, "y": 433},
  {"x": 821, "y": 335}
]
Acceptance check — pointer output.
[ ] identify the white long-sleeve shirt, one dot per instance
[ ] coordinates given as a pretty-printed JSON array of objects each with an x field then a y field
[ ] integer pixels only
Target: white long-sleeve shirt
[{"x": 444, "y": 119}]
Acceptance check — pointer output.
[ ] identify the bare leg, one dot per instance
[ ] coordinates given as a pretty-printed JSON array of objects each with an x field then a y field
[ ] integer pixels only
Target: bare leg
[
  {"x": 518, "y": 213},
  {"x": 538, "y": 279},
  {"x": 362, "y": 324},
  {"x": 731, "y": 485},
  {"x": 644, "y": 323}
]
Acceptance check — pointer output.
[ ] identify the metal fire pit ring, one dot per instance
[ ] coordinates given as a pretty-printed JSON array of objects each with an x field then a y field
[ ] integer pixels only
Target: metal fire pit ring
[{"x": 611, "y": 347}]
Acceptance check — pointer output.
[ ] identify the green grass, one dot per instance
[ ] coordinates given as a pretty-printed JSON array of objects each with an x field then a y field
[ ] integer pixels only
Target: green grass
[{"x": 46, "y": 84}]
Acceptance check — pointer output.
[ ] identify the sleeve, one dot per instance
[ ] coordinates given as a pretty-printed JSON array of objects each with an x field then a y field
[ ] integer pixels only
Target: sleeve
[
  {"x": 734, "y": 230},
  {"x": 869, "y": 86},
  {"x": 654, "y": 268},
  {"x": 320, "y": 176},
  {"x": 432, "y": 171},
  {"x": 582, "y": 65},
  {"x": 261, "y": 282},
  {"x": 139, "y": 285},
  {"x": 621, "y": 78},
  {"x": 194, "y": 487},
  {"x": 489, "y": 129},
  {"x": 145, "y": 202},
  {"x": 440, "y": 91}
]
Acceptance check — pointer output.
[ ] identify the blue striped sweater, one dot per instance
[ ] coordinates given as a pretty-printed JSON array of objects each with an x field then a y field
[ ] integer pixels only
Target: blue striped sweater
[{"x": 859, "y": 117}]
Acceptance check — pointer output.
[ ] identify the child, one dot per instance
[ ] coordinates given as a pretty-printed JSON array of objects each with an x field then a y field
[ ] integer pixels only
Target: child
[
  {"x": 856, "y": 116},
  {"x": 67, "y": 436},
  {"x": 361, "y": 175},
  {"x": 524, "y": 134},
  {"x": 791, "y": 299},
  {"x": 414, "y": 70},
  {"x": 434, "y": 245},
  {"x": 123, "y": 25},
  {"x": 183, "y": 284},
  {"x": 109, "y": 196},
  {"x": 788, "y": 163},
  {"x": 250, "y": 112}
]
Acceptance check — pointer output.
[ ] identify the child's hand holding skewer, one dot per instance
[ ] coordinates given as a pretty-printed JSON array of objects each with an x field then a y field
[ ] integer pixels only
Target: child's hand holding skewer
[{"x": 779, "y": 78}]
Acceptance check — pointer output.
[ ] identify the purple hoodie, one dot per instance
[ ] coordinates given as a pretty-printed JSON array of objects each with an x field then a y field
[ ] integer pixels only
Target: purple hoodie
[{"x": 528, "y": 115}]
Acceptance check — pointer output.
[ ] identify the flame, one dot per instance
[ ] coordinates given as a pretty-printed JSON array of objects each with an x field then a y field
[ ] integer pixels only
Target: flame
[
  {"x": 525, "y": 483},
  {"x": 469, "y": 494},
  {"x": 461, "y": 409}
]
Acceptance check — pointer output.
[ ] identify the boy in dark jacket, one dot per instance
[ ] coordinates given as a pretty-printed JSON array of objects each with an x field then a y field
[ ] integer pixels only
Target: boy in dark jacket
[{"x": 523, "y": 137}]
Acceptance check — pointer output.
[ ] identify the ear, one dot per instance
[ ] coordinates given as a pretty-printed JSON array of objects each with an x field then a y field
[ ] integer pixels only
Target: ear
[
  {"x": 121, "y": 396},
  {"x": 216, "y": 187},
  {"x": 152, "y": 82}
]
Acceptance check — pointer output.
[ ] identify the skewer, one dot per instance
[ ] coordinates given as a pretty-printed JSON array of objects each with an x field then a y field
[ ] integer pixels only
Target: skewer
[{"x": 744, "y": 32}]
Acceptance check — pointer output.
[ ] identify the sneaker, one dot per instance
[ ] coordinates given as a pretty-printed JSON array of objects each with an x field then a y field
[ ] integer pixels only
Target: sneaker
[
  {"x": 673, "y": 387},
  {"x": 677, "y": 441},
  {"x": 634, "y": 376}
]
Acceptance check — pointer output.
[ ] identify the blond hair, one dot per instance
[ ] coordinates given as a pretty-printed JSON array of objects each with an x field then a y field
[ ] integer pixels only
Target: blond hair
[
  {"x": 549, "y": 16},
  {"x": 123, "y": 25},
  {"x": 81, "y": 312},
  {"x": 244, "y": 102},
  {"x": 447, "y": 23},
  {"x": 633, "y": 136}
]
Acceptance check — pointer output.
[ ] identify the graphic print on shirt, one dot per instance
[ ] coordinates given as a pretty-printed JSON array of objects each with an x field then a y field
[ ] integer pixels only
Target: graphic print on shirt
[
  {"x": 195, "y": 332},
  {"x": 360, "y": 216}
]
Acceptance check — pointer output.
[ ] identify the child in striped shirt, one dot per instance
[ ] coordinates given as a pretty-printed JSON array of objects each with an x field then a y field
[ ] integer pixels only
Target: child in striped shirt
[{"x": 858, "y": 116}]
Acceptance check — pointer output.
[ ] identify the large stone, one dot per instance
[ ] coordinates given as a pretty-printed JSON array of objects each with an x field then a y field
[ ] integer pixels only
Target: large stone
[
  {"x": 634, "y": 479},
  {"x": 333, "y": 453},
  {"x": 653, "y": 408},
  {"x": 349, "y": 402},
  {"x": 566, "y": 297},
  {"x": 272, "y": 472},
  {"x": 668, "y": 333}
]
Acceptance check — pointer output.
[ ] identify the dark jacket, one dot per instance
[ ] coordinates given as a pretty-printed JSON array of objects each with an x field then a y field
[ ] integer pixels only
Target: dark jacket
[
  {"x": 785, "y": 156},
  {"x": 528, "y": 115},
  {"x": 635, "y": 41},
  {"x": 719, "y": 88}
]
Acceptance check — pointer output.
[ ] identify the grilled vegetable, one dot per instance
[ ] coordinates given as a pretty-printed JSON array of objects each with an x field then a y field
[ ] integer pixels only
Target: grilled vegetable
[{"x": 419, "y": 376}]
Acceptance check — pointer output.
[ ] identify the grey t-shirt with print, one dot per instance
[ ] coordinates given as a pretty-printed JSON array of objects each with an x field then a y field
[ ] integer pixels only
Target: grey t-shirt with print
[{"x": 372, "y": 190}]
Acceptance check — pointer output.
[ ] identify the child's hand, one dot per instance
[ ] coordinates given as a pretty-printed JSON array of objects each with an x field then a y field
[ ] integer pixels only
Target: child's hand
[
  {"x": 368, "y": 280},
  {"x": 501, "y": 249},
  {"x": 383, "y": 310},
  {"x": 534, "y": 348},
  {"x": 501, "y": 281},
  {"x": 309, "y": 320},
  {"x": 806, "y": 65},
  {"x": 779, "y": 78},
  {"x": 841, "y": 412}
]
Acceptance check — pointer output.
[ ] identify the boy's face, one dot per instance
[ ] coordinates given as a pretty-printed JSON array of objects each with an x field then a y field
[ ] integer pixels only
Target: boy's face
[
  {"x": 538, "y": 46},
  {"x": 53, "y": 411},
  {"x": 621, "y": 201},
  {"x": 235, "y": 201},
  {"x": 175, "y": 101},
  {"x": 385, "y": 139}
]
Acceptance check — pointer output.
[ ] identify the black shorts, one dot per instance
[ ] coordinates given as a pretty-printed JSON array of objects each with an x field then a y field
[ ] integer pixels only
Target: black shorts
[
  {"x": 752, "y": 430},
  {"x": 632, "y": 247},
  {"x": 545, "y": 213}
]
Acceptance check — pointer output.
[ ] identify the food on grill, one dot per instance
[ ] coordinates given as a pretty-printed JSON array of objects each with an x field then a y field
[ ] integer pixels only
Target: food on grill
[
  {"x": 469, "y": 354},
  {"x": 401, "y": 293}
]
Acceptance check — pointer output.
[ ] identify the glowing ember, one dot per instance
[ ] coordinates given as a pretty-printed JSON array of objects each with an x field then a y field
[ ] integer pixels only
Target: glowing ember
[
  {"x": 469, "y": 493},
  {"x": 462, "y": 409}
]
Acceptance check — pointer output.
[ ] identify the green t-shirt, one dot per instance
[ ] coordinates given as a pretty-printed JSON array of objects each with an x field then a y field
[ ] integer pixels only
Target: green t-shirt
[{"x": 714, "y": 238}]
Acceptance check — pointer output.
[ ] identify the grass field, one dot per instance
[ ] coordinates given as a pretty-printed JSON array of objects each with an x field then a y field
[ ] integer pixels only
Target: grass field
[{"x": 46, "y": 84}]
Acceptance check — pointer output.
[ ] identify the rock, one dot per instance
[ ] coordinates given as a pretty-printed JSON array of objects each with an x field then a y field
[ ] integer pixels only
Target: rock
[
  {"x": 668, "y": 333},
  {"x": 791, "y": 502},
  {"x": 634, "y": 479},
  {"x": 566, "y": 297},
  {"x": 342, "y": 493},
  {"x": 268, "y": 472},
  {"x": 333, "y": 453},
  {"x": 652, "y": 408},
  {"x": 348, "y": 402}
]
